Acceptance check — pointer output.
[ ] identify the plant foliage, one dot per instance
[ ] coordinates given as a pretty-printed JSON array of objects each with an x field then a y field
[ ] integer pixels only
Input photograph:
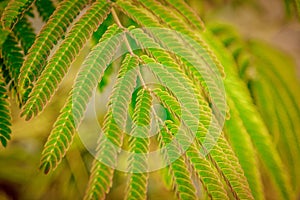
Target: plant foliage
[{"x": 165, "y": 41}]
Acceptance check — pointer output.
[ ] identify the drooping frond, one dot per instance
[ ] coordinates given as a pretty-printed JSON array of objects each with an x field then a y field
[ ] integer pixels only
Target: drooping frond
[
  {"x": 139, "y": 142},
  {"x": 60, "y": 62},
  {"x": 232, "y": 41},
  {"x": 5, "y": 115},
  {"x": 171, "y": 20},
  {"x": 13, "y": 57},
  {"x": 14, "y": 11},
  {"x": 276, "y": 59},
  {"x": 278, "y": 102},
  {"x": 241, "y": 143},
  {"x": 73, "y": 111},
  {"x": 279, "y": 123},
  {"x": 262, "y": 141},
  {"x": 252, "y": 121},
  {"x": 114, "y": 126},
  {"x": 202, "y": 68},
  {"x": 25, "y": 34},
  {"x": 244, "y": 149},
  {"x": 254, "y": 154},
  {"x": 51, "y": 32},
  {"x": 178, "y": 169},
  {"x": 45, "y": 8},
  {"x": 271, "y": 108},
  {"x": 205, "y": 171},
  {"x": 206, "y": 130}
]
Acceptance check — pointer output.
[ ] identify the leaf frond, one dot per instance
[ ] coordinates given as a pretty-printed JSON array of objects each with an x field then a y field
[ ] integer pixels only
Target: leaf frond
[
  {"x": 171, "y": 20},
  {"x": 205, "y": 171},
  {"x": 244, "y": 149},
  {"x": 73, "y": 111},
  {"x": 25, "y": 34},
  {"x": 221, "y": 154},
  {"x": 13, "y": 57},
  {"x": 5, "y": 113},
  {"x": 50, "y": 34},
  {"x": 14, "y": 11},
  {"x": 253, "y": 122},
  {"x": 139, "y": 142},
  {"x": 60, "y": 62},
  {"x": 114, "y": 125}
]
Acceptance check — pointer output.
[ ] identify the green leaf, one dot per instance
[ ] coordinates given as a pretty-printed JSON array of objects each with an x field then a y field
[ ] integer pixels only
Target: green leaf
[
  {"x": 205, "y": 171},
  {"x": 60, "y": 62},
  {"x": 179, "y": 172},
  {"x": 170, "y": 20},
  {"x": 73, "y": 111},
  {"x": 219, "y": 151},
  {"x": 276, "y": 94},
  {"x": 13, "y": 57},
  {"x": 252, "y": 121},
  {"x": 245, "y": 151},
  {"x": 25, "y": 34},
  {"x": 197, "y": 58},
  {"x": 113, "y": 130},
  {"x": 139, "y": 147},
  {"x": 50, "y": 34},
  {"x": 14, "y": 11},
  {"x": 5, "y": 113}
]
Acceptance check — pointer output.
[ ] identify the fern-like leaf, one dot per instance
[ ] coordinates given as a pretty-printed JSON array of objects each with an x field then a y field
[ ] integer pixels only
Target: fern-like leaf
[
  {"x": 205, "y": 171},
  {"x": 5, "y": 115},
  {"x": 25, "y": 34},
  {"x": 252, "y": 121},
  {"x": 177, "y": 165},
  {"x": 60, "y": 62},
  {"x": 279, "y": 122},
  {"x": 14, "y": 11},
  {"x": 139, "y": 147},
  {"x": 278, "y": 102},
  {"x": 166, "y": 15},
  {"x": 194, "y": 64},
  {"x": 114, "y": 125},
  {"x": 220, "y": 153},
  {"x": 207, "y": 131},
  {"x": 13, "y": 57},
  {"x": 244, "y": 149},
  {"x": 73, "y": 111},
  {"x": 241, "y": 143},
  {"x": 51, "y": 32}
]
